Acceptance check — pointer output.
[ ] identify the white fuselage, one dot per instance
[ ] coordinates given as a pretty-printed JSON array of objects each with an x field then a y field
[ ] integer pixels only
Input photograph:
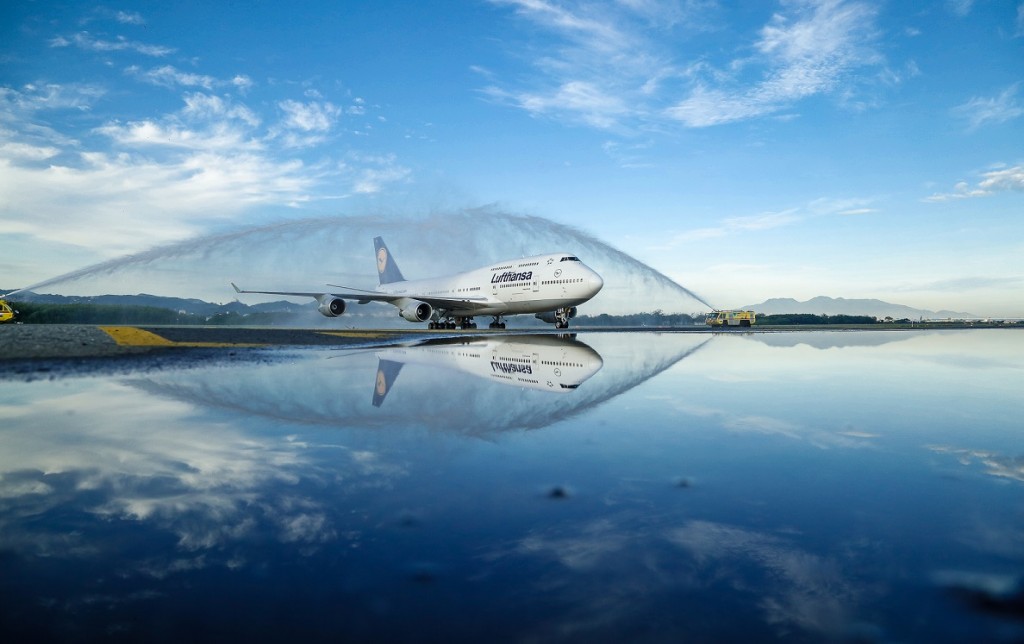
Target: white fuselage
[
  {"x": 528, "y": 285},
  {"x": 533, "y": 362}
]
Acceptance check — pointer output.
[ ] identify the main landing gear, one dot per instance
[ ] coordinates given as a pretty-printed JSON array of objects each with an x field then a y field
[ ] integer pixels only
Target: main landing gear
[
  {"x": 562, "y": 318},
  {"x": 464, "y": 323},
  {"x": 453, "y": 323}
]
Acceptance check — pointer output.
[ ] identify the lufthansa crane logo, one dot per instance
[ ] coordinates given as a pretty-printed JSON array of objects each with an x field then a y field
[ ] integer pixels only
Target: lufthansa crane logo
[
  {"x": 382, "y": 259},
  {"x": 382, "y": 384}
]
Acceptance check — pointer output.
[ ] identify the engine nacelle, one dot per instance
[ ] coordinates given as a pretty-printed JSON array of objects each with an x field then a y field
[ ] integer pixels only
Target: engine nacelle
[
  {"x": 551, "y": 317},
  {"x": 330, "y": 306},
  {"x": 417, "y": 312}
]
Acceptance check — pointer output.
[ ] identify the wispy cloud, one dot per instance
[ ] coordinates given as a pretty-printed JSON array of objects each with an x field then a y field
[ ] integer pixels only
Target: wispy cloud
[
  {"x": 802, "y": 53},
  {"x": 309, "y": 117},
  {"x": 305, "y": 124},
  {"x": 769, "y": 220},
  {"x": 84, "y": 40},
  {"x": 981, "y": 111},
  {"x": 169, "y": 76},
  {"x": 734, "y": 225},
  {"x": 129, "y": 18},
  {"x": 627, "y": 64},
  {"x": 993, "y": 182}
]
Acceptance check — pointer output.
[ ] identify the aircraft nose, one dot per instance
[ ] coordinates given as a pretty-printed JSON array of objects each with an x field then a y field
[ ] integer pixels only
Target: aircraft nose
[{"x": 594, "y": 284}]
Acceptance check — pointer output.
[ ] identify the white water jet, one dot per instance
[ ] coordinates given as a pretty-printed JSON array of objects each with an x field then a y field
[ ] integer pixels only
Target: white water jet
[{"x": 307, "y": 254}]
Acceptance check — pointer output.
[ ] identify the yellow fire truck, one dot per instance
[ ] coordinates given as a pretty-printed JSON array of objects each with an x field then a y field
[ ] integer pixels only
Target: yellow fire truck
[
  {"x": 6, "y": 312},
  {"x": 730, "y": 318}
]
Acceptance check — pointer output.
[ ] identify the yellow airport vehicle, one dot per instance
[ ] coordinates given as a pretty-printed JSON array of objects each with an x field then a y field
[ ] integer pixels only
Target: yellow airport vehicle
[
  {"x": 6, "y": 312},
  {"x": 730, "y": 318}
]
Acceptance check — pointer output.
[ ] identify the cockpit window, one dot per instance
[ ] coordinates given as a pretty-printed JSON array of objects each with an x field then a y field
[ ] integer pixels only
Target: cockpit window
[{"x": 569, "y": 259}]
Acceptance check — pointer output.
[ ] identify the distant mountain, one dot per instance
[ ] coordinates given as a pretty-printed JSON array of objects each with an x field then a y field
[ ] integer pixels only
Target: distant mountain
[
  {"x": 822, "y": 305},
  {"x": 190, "y": 305}
]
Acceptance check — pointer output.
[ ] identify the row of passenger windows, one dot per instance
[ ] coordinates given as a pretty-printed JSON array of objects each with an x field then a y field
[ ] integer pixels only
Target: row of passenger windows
[
  {"x": 458, "y": 290},
  {"x": 563, "y": 281},
  {"x": 514, "y": 379},
  {"x": 556, "y": 363}
]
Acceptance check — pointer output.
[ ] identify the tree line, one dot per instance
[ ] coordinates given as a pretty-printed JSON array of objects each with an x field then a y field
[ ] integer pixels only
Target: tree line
[{"x": 37, "y": 313}]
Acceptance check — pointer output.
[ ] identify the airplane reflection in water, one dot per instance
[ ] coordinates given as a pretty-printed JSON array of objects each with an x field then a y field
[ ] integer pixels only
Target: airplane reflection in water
[
  {"x": 439, "y": 389},
  {"x": 543, "y": 362}
]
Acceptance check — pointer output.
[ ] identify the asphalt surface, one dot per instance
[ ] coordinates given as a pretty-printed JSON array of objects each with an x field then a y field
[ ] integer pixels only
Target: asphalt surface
[{"x": 69, "y": 341}]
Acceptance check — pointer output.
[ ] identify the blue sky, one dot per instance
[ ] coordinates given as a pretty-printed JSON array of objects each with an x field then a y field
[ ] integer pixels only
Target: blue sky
[{"x": 775, "y": 149}]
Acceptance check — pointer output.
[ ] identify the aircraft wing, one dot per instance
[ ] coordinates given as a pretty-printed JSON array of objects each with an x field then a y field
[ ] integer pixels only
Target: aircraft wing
[
  {"x": 464, "y": 304},
  {"x": 362, "y": 296},
  {"x": 358, "y": 294}
]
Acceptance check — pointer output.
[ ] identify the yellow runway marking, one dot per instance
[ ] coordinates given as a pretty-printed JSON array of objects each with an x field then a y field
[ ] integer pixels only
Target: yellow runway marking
[
  {"x": 128, "y": 336},
  {"x": 356, "y": 334}
]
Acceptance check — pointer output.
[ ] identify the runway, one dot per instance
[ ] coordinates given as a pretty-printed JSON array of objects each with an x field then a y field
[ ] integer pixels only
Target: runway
[
  {"x": 27, "y": 342},
  {"x": 48, "y": 341}
]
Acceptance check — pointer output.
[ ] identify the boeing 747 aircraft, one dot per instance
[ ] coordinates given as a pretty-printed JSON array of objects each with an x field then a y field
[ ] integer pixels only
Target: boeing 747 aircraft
[
  {"x": 550, "y": 286},
  {"x": 551, "y": 363}
]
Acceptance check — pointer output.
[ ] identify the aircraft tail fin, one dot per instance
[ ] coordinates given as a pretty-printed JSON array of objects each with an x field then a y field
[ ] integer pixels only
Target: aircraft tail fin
[
  {"x": 387, "y": 269},
  {"x": 387, "y": 372}
]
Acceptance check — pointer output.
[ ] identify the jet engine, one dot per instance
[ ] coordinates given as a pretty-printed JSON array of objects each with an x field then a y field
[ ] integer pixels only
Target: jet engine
[
  {"x": 419, "y": 312},
  {"x": 330, "y": 306},
  {"x": 551, "y": 317}
]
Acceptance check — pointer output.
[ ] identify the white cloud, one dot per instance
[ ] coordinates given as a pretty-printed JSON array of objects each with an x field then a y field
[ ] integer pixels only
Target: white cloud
[
  {"x": 27, "y": 152},
  {"x": 174, "y": 172},
  {"x": 118, "y": 204},
  {"x": 85, "y": 40},
  {"x": 993, "y": 182},
  {"x": 596, "y": 32},
  {"x": 129, "y": 18},
  {"x": 205, "y": 123},
  {"x": 578, "y": 98},
  {"x": 161, "y": 178},
  {"x": 20, "y": 104},
  {"x": 309, "y": 117},
  {"x": 242, "y": 82},
  {"x": 146, "y": 458},
  {"x": 618, "y": 65},
  {"x": 205, "y": 106},
  {"x": 981, "y": 111},
  {"x": 805, "y": 53},
  {"x": 168, "y": 76}
]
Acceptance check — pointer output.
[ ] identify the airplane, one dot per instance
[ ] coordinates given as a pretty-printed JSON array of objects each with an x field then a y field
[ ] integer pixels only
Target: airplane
[
  {"x": 549, "y": 286},
  {"x": 557, "y": 364}
]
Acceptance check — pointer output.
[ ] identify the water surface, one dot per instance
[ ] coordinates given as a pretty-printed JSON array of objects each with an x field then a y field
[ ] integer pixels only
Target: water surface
[{"x": 643, "y": 487}]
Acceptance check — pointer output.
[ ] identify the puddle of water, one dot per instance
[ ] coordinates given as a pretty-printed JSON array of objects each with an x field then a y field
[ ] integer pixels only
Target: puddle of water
[{"x": 862, "y": 485}]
